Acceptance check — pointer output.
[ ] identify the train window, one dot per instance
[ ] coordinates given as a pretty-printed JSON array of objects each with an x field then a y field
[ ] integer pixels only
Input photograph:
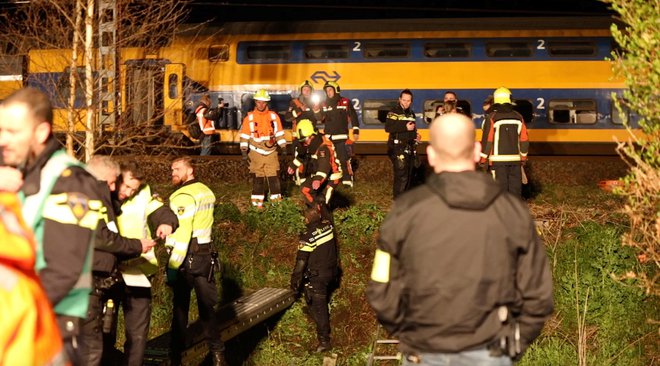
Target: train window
[
  {"x": 64, "y": 84},
  {"x": 172, "y": 86},
  {"x": 572, "y": 111},
  {"x": 374, "y": 111},
  {"x": 432, "y": 108},
  {"x": 446, "y": 49},
  {"x": 386, "y": 50},
  {"x": 219, "y": 53},
  {"x": 268, "y": 52},
  {"x": 508, "y": 49},
  {"x": 525, "y": 108},
  {"x": 571, "y": 48},
  {"x": 326, "y": 51}
]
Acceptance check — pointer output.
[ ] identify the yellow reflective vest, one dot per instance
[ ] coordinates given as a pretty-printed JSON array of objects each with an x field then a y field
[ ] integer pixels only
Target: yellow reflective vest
[
  {"x": 133, "y": 224},
  {"x": 193, "y": 206}
]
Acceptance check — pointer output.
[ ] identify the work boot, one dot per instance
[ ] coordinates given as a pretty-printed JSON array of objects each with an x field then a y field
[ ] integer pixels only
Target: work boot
[
  {"x": 324, "y": 345},
  {"x": 218, "y": 359}
]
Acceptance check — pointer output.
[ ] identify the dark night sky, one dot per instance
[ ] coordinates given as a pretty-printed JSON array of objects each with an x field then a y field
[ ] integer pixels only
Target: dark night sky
[{"x": 282, "y": 10}]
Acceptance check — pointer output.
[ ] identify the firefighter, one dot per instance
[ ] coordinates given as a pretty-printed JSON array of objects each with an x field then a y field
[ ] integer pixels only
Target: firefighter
[
  {"x": 302, "y": 107},
  {"x": 316, "y": 269},
  {"x": 261, "y": 134},
  {"x": 402, "y": 142},
  {"x": 338, "y": 113},
  {"x": 321, "y": 166},
  {"x": 193, "y": 260},
  {"x": 109, "y": 247},
  {"x": 140, "y": 210},
  {"x": 60, "y": 204},
  {"x": 29, "y": 334},
  {"x": 506, "y": 145}
]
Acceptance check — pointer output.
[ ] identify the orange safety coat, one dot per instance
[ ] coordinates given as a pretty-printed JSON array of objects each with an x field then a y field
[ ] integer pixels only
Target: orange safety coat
[
  {"x": 262, "y": 132},
  {"x": 28, "y": 334}
]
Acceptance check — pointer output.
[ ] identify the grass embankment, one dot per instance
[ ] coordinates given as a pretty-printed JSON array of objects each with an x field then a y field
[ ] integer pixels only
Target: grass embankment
[{"x": 597, "y": 320}]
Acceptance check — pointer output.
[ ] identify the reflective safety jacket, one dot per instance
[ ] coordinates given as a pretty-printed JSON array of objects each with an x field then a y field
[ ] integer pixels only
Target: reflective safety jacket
[
  {"x": 396, "y": 125},
  {"x": 338, "y": 113},
  {"x": 61, "y": 205},
  {"x": 505, "y": 135},
  {"x": 320, "y": 161},
  {"x": 193, "y": 204},
  {"x": 262, "y": 132},
  {"x": 204, "y": 123},
  {"x": 318, "y": 247},
  {"x": 29, "y": 334},
  {"x": 137, "y": 213}
]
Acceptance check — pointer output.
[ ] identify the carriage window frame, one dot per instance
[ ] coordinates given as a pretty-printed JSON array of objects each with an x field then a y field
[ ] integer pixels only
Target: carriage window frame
[
  {"x": 333, "y": 49},
  {"x": 615, "y": 116},
  {"x": 431, "y": 106},
  {"x": 552, "y": 46},
  {"x": 490, "y": 52},
  {"x": 573, "y": 111},
  {"x": 218, "y": 53},
  {"x": 284, "y": 53},
  {"x": 519, "y": 102},
  {"x": 374, "y": 105},
  {"x": 467, "y": 47},
  {"x": 384, "y": 47}
]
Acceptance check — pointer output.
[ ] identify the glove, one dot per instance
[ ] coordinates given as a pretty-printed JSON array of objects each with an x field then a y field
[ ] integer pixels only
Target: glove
[
  {"x": 283, "y": 151},
  {"x": 297, "y": 275},
  {"x": 316, "y": 185},
  {"x": 171, "y": 276}
]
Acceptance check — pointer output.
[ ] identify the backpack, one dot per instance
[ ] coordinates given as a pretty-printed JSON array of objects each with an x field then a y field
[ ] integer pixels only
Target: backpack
[{"x": 193, "y": 125}]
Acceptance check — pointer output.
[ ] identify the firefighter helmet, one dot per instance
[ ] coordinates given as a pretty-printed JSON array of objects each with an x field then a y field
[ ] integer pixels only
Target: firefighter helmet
[
  {"x": 333, "y": 85},
  {"x": 306, "y": 83},
  {"x": 262, "y": 95},
  {"x": 502, "y": 95},
  {"x": 305, "y": 129}
]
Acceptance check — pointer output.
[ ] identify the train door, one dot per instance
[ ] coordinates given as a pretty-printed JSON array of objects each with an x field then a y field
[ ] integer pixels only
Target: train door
[
  {"x": 173, "y": 95},
  {"x": 143, "y": 94}
]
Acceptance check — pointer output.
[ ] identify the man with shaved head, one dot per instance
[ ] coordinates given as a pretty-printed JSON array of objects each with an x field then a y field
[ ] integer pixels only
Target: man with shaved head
[{"x": 460, "y": 276}]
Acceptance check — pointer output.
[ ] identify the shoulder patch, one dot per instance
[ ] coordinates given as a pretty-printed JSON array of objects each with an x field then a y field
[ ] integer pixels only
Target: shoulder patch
[
  {"x": 180, "y": 210},
  {"x": 66, "y": 173},
  {"x": 78, "y": 204}
]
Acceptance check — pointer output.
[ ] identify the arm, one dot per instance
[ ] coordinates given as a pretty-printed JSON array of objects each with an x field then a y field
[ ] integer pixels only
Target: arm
[
  {"x": 71, "y": 215},
  {"x": 245, "y": 134},
  {"x": 386, "y": 286},
  {"x": 524, "y": 140},
  {"x": 353, "y": 120},
  {"x": 323, "y": 166},
  {"x": 279, "y": 132},
  {"x": 184, "y": 206},
  {"x": 489, "y": 138}
]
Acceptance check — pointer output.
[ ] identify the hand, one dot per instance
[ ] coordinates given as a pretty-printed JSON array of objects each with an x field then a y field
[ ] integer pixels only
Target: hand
[
  {"x": 356, "y": 136},
  {"x": 147, "y": 244},
  {"x": 290, "y": 171},
  {"x": 523, "y": 163},
  {"x": 163, "y": 231},
  {"x": 296, "y": 281},
  {"x": 418, "y": 138},
  {"x": 171, "y": 275},
  {"x": 316, "y": 185},
  {"x": 410, "y": 126},
  {"x": 12, "y": 179}
]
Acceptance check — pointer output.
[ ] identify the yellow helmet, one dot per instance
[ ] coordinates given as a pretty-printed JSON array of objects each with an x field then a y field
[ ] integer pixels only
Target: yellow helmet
[
  {"x": 305, "y": 128},
  {"x": 502, "y": 95},
  {"x": 333, "y": 85},
  {"x": 306, "y": 84},
  {"x": 262, "y": 94}
]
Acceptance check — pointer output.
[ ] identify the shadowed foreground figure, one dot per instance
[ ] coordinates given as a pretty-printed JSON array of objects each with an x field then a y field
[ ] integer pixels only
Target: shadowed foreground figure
[{"x": 460, "y": 275}]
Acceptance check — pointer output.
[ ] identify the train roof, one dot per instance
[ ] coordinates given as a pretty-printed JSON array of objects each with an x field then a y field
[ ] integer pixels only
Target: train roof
[{"x": 400, "y": 25}]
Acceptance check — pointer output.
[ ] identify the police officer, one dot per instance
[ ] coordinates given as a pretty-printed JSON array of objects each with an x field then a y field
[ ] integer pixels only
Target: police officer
[
  {"x": 316, "y": 269},
  {"x": 261, "y": 134},
  {"x": 193, "y": 260},
  {"x": 302, "y": 107},
  {"x": 338, "y": 113},
  {"x": 60, "y": 204},
  {"x": 506, "y": 142},
  {"x": 140, "y": 210},
  {"x": 402, "y": 142},
  {"x": 109, "y": 247}
]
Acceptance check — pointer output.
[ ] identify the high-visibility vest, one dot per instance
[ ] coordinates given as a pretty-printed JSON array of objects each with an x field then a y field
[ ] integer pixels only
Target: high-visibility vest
[
  {"x": 29, "y": 334},
  {"x": 42, "y": 205},
  {"x": 133, "y": 224},
  {"x": 193, "y": 205}
]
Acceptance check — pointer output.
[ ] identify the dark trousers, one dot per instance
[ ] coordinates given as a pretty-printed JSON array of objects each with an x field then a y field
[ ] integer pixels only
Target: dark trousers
[
  {"x": 70, "y": 331},
  {"x": 344, "y": 159},
  {"x": 91, "y": 335},
  {"x": 207, "y": 145},
  {"x": 194, "y": 275},
  {"x": 509, "y": 176},
  {"x": 403, "y": 163},
  {"x": 316, "y": 295}
]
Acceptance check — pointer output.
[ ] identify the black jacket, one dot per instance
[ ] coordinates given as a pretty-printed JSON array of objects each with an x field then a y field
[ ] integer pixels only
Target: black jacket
[
  {"x": 458, "y": 248},
  {"x": 65, "y": 246},
  {"x": 504, "y": 136},
  {"x": 396, "y": 122},
  {"x": 318, "y": 248},
  {"x": 338, "y": 113}
]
